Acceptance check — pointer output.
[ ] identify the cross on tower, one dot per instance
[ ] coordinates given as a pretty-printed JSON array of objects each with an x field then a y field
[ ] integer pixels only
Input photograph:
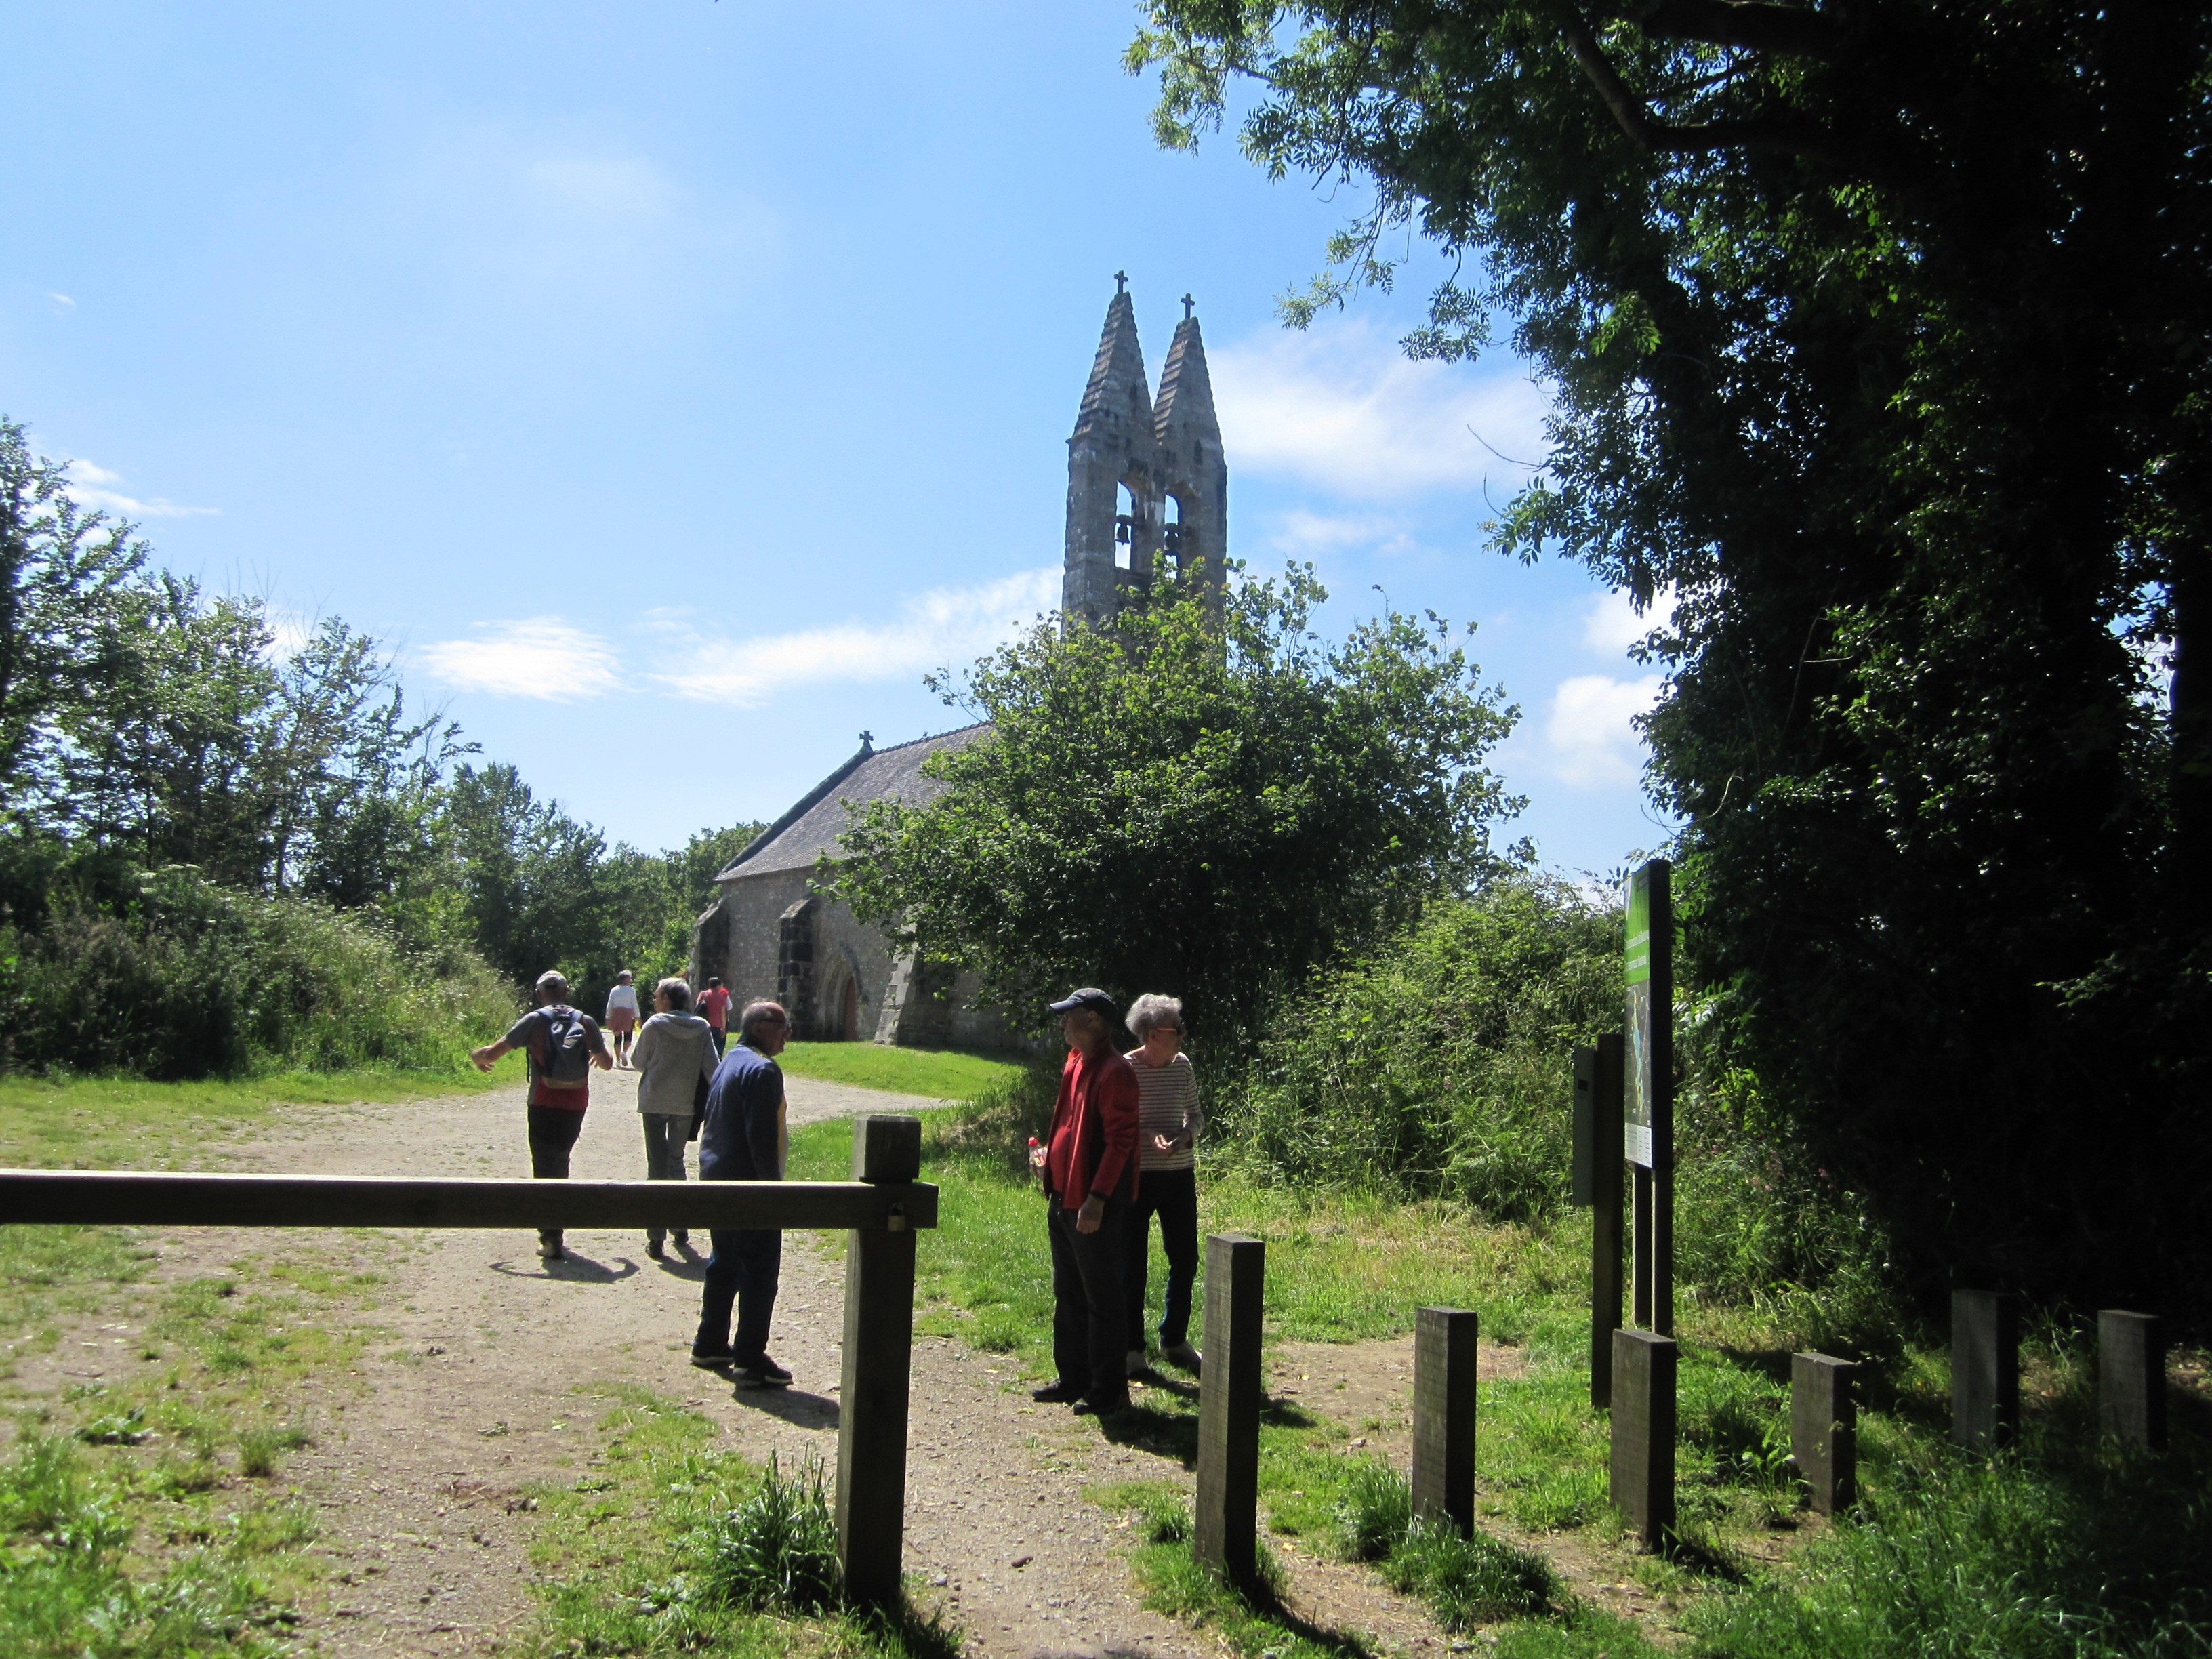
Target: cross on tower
[
  {"x": 1188, "y": 305},
  {"x": 1121, "y": 282}
]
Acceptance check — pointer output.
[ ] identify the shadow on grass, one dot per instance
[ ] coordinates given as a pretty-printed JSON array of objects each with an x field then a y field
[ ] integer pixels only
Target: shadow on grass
[{"x": 1164, "y": 1434}]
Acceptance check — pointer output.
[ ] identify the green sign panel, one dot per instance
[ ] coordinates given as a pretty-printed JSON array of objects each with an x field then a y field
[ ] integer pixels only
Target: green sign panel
[{"x": 1647, "y": 1114}]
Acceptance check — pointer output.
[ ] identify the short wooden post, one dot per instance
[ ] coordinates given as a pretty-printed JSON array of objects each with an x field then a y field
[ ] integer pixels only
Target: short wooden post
[
  {"x": 1823, "y": 1429},
  {"x": 1444, "y": 1416},
  {"x": 2131, "y": 1377},
  {"x": 878, "y": 1349},
  {"x": 1597, "y": 1182},
  {"x": 1229, "y": 1408},
  {"x": 1984, "y": 1368},
  {"x": 1644, "y": 1433}
]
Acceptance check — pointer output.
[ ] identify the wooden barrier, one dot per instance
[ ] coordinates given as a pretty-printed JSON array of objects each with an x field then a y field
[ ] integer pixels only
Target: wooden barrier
[
  {"x": 1984, "y": 1368},
  {"x": 1229, "y": 1397},
  {"x": 1444, "y": 1417},
  {"x": 2131, "y": 1377},
  {"x": 880, "y": 1209},
  {"x": 1644, "y": 1433},
  {"x": 1824, "y": 1418},
  {"x": 872, "y": 1412}
]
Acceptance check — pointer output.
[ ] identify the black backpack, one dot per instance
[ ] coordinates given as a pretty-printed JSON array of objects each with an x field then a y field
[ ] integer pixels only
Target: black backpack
[{"x": 567, "y": 1062}]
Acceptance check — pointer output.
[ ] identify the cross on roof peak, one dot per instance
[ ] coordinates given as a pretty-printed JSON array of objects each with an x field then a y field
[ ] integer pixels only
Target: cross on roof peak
[
  {"x": 1121, "y": 282},
  {"x": 1189, "y": 305}
]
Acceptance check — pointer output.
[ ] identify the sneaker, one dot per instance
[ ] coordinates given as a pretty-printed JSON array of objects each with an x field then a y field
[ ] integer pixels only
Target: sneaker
[
  {"x": 653, "y": 1248},
  {"x": 760, "y": 1372},
  {"x": 680, "y": 1238},
  {"x": 1055, "y": 1393},
  {"x": 707, "y": 1359},
  {"x": 1183, "y": 1355},
  {"x": 549, "y": 1249},
  {"x": 1135, "y": 1364}
]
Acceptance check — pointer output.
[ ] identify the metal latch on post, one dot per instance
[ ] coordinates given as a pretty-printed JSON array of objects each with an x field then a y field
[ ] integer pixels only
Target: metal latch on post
[{"x": 896, "y": 1221}]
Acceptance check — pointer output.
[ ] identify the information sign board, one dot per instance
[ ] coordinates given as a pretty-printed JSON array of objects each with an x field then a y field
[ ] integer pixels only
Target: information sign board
[{"x": 1647, "y": 1116}]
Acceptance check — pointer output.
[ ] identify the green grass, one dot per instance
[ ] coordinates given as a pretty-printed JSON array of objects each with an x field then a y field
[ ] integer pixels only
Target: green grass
[
  {"x": 98, "y": 1122},
  {"x": 2062, "y": 1550},
  {"x": 668, "y": 1544},
  {"x": 938, "y": 1073}
]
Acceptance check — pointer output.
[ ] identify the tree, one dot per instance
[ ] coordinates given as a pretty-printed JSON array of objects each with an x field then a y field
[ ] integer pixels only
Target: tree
[
  {"x": 1207, "y": 808},
  {"x": 1879, "y": 336}
]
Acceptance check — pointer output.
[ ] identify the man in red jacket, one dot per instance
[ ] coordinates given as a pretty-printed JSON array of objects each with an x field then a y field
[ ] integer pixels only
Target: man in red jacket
[{"x": 1090, "y": 1183}]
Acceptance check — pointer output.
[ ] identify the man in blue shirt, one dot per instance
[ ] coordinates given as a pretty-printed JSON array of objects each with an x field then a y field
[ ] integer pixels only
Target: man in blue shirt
[{"x": 744, "y": 1139}]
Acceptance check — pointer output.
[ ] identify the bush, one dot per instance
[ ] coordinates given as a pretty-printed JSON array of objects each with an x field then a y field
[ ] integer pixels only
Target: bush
[
  {"x": 1439, "y": 1064},
  {"x": 167, "y": 975}
]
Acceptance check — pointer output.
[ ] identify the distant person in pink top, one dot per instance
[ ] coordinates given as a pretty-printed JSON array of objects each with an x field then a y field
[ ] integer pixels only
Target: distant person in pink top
[{"x": 712, "y": 1005}]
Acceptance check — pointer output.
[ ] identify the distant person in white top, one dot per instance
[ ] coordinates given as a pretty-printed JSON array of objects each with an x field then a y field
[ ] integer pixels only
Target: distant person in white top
[
  {"x": 676, "y": 1060},
  {"x": 1168, "y": 1120},
  {"x": 622, "y": 1015}
]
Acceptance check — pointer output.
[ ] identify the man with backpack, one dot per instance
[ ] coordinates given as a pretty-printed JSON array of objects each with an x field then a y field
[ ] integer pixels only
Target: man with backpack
[
  {"x": 563, "y": 1044},
  {"x": 746, "y": 1138}
]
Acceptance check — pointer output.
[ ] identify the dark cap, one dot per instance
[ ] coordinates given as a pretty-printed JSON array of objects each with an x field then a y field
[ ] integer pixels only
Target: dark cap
[{"x": 1092, "y": 997}]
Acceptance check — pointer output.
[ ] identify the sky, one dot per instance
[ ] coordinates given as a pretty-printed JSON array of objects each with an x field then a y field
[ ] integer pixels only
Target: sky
[{"x": 672, "y": 384}]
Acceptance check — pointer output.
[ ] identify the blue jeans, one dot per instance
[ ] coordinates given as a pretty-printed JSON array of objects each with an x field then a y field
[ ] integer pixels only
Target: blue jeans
[{"x": 743, "y": 1270}]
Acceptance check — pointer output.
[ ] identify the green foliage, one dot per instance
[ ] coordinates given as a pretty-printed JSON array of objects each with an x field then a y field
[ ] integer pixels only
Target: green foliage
[
  {"x": 777, "y": 1548},
  {"x": 1211, "y": 806},
  {"x": 1438, "y": 1064},
  {"x": 942, "y": 1074},
  {"x": 1865, "y": 333},
  {"x": 1375, "y": 1512},
  {"x": 1478, "y": 1580}
]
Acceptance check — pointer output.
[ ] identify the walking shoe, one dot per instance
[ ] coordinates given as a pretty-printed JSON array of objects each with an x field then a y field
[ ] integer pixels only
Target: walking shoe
[
  {"x": 707, "y": 1359},
  {"x": 652, "y": 1248},
  {"x": 1135, "y": 1364},
  {"x": 1055, "y": 1393},
  {"x": 760, "y": 1372},
  {"x": 1182, "y": 1354},
  {"x": 549, "y": 1249},
  {"x": 679, "y": 1237},
  {"x": 1102, "y": 1407}
]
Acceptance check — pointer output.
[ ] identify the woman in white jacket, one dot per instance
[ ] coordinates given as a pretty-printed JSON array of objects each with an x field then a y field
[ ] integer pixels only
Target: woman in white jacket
[{"x": 674, "y": 1053}]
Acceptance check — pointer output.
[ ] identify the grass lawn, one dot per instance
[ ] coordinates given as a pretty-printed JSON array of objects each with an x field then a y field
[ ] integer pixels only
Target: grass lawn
[
  {"x": 97, "y": 1123},
  {"x": 2065, "y": 1549},
  {"x": 939, "y": 1073}
]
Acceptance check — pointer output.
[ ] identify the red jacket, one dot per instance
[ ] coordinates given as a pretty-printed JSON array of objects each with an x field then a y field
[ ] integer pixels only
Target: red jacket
[{"x": 1093, "y": 1147}]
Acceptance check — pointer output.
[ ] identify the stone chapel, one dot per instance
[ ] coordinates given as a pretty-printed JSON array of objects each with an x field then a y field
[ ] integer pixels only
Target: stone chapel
[{"x": 1146, "y": 479}]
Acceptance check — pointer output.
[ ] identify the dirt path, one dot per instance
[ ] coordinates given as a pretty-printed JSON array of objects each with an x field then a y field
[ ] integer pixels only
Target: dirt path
[{"x": 487, "y": 1378}]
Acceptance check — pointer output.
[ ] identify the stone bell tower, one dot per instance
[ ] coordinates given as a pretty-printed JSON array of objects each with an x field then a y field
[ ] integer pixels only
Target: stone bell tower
[{"x": 1145, "y": 478}]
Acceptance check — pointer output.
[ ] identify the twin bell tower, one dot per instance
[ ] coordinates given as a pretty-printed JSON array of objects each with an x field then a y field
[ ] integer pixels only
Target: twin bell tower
[{"x": 1146, "y": 474}]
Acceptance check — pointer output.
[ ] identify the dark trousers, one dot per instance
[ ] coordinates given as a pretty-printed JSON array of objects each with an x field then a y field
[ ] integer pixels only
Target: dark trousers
[
  {"x": 743, "y": 1270},
  {"x": 1088, "y": 1310},
  {"x": 552, "y": 1137},
  {"x": 719, "y": 1037},
  {"x": 664, "y": 1154},
  {"x": 1172, "y": 1195}
]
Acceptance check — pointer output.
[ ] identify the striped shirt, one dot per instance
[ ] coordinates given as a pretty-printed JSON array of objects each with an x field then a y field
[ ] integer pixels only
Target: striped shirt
[{"x": 1167, "y": 1104}]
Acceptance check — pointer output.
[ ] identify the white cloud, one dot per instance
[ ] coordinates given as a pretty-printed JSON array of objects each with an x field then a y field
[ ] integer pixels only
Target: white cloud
[
  {"x": 94, "y": 487},
  {"x": 935, "y": 630},
  {"x": 1611, "y": 622},
  {"x": 1341, "y": 405},
  {"x": 63, "y": 304},
  {"x": 1305, "y": 534},
  {"x": 1589, "y": 732},
  {"x": 540, "y": 657}
]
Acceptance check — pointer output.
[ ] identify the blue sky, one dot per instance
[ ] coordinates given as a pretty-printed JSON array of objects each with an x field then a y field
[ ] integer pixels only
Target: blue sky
[{"x": 673, "y": 383}]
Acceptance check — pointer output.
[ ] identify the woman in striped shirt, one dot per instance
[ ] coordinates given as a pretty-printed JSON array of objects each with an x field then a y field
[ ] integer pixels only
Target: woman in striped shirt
[{"x": 1168, "y": 1122}]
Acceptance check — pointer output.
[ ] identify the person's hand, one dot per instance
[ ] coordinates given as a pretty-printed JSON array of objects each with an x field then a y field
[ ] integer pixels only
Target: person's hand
[
  {"x": 485, "y": 1057},
  {"x": 603, "y": 1060},
  {"x": 1092, "y": 1216}
]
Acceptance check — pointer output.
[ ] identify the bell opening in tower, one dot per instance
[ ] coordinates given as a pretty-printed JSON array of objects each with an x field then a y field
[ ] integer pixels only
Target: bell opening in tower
[
  {"x": 1125, "y": 527},
  {"x": 1171, "y": 534}
]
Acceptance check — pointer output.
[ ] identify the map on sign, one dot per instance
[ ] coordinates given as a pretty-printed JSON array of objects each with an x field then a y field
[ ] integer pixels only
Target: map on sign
[{"x": 1638, "y": 1094}]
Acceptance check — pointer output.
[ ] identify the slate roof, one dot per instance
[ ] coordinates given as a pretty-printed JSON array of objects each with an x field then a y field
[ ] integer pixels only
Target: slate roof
[
  {"x": 1117, "y": 387},
  {"x": 811, "y": 827}
]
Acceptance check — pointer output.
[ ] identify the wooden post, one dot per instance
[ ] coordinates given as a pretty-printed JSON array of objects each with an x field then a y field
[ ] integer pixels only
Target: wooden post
[
  {"x": 872, "y": 1412},
  {"x": 1823, "y": 1429},
  {"x": 1597, "y": 1171},
  {"x": 2131, "y": 1377},
  {"x": 1229, "y": 1408},
  {"x": 1984, "y": 1368},
  {"x": 1648, "y": 1090},
  {"x": 1644, "y": 1433},
  {"x": 1444, "y": 1416}
]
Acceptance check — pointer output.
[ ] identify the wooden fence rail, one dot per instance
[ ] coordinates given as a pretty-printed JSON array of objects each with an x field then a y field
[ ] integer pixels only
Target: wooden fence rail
[{"x": 878, "y": 1211}]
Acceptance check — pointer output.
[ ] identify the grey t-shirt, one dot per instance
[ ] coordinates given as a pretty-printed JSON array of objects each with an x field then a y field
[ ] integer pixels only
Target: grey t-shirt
[{"x": 672, "y": 1054}]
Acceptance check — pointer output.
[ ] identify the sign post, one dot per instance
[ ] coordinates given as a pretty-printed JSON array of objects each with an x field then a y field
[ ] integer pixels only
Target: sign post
[
  {"x": 1648, "y": 1093},
  {"x": 1597, "y": 1183}
]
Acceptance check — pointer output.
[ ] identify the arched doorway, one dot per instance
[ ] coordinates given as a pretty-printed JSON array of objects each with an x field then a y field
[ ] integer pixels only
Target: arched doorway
[{"x": 848, "y": 1011}]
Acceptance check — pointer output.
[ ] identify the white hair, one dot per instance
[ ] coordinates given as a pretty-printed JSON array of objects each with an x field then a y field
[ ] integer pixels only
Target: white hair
[{"x": 1152, "y": 1010}]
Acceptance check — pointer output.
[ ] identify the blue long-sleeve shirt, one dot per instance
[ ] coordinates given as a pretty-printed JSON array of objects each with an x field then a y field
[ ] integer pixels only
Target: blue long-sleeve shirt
[{"x": 738, "y": 1139}]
